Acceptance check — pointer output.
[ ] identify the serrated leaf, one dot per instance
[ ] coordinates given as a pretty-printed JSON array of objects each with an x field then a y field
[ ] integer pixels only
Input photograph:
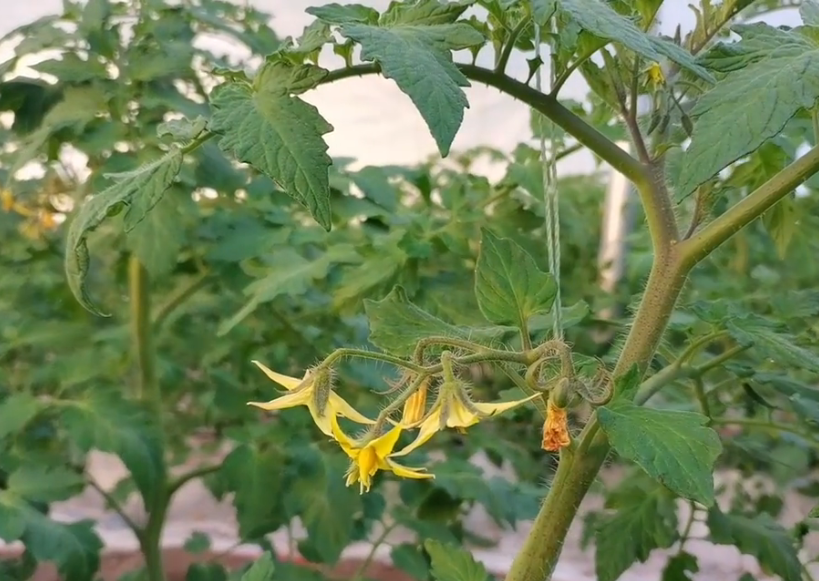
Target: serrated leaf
[
  {"x": 136, "y": 192},
  {"x": 600, "y": 19},
  {"x": 645, "y": 520},
  {"x": 676, "y": 448},
  {"x": 255, "y": 476},
  {"x": 408, "y": 558},
  {"x": 16, "y": 411},
  {"x": 509, "y": 286},
  {"x": 451, "y": 563},
  {"x": 262, "y": 570},
  {"x": 760, "y": 537},
  {"x": 396, "y": 325},
  {"x": 37, "y": 483},
  {"x": 106, "y": 422},
  {"x": 344, "y": 13},
  {"x": 773, "y": 79},
  {"x": 70, "y": 68},
  {"x": 681, "y": 567},
  {"x": 412, "y": 45},
  {"x": 777, "y": 346},
  {"x": 269, "y": 127}
]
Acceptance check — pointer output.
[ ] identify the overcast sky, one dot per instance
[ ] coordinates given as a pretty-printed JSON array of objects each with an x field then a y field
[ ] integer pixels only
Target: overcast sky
[{"x": 374, "y": 122}]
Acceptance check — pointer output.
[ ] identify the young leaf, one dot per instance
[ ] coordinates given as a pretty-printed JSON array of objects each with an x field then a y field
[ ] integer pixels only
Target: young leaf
[
  {"x": 769, "y": 82},
  {"x": 760, "y": 537},
  {"x": 508, "y": 284},
  {"x": 412, "y": 45},
  {"x": 451, "y": 563},
  {"x": 645, "y": 520},
  {"x": 396, "y": 325},
  {"x": 136, "y": 192},
  {"x": 261, "y": 570},
  {"x": 600, "y": 19},
  {"x": 778, "y": 346},
  {"x": 676, "y": 448},
  {"x": 269, "y": 127},
  {"x": 109, "y": 423}
]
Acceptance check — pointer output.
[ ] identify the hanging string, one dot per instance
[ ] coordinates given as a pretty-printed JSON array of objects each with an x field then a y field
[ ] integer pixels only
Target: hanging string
[{"x": 550, "y": 193}]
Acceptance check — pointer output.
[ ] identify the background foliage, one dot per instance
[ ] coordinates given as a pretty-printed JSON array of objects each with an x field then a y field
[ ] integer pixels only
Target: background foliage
[{"x": 239, "y": 271}]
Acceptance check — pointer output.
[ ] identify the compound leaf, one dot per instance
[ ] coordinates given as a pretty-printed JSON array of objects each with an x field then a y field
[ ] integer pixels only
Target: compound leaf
[
  {"x": 600, "y": 19},
  {"x": 451, "y": 563},
  {"x": 136, "y": 192},
  {"x": 676, "y": 448},
  {"x": 412, "y": 45},
  {"x": 759, "y": 536},
  {"x": 38, "y": 483},
  {"x": 266, "y": 125},
  {"x": 771, "y": 74},
  {"x": 509, "y": 286}
]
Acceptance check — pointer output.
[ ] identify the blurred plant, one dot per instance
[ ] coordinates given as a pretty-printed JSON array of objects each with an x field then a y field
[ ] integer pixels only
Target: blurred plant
[{"x": 133, "y": 137}]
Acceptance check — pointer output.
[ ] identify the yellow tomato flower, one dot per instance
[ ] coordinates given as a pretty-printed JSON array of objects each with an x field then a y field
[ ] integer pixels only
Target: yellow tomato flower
[
  {"x": 655, "y": 74},
  {"x": 6, "y": 200},
  {"x": 372, "y": 456},
  {"x": 454, "y": 409},
  {"x": 314, "y": 392}
]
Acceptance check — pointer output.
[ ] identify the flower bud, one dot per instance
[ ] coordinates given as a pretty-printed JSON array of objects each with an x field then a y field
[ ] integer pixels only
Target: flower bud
[
  {"x": 321, "y": 379},
  {"x": 416, "y": 405},
  {"x": 556, "y": 427}
]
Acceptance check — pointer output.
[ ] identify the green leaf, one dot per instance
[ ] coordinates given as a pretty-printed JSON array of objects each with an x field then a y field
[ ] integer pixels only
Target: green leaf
[
  {"x": 136, "y": 192},
  {"x": 74, "y": 548},
  {"x": 681, "y": 567},
  {"x": 16, "y": 411},
  {"x": 157, "y": 240},
  {"x": 600, "y": 19},
  {"x": 760, "y": 537},
  {"x": 542, "y": 11},
  {"x": 289, "y": 273},
  {"x": 645, "y": 519},
  {"x": 674, "y": 447},
  {"x": 109, "y": 423},
  {"x": 770, "y": 83},
  {"x": 396, "y": 325},
  {"x": 508, "y": 284},
  {"x": 777, "y": 346},
  {"x": 781, "y": 222},
  {"x": 408, "y": 558},
  {"x": 37, "y": 483},
  {"x": 809, "y": 11},
  {"x": 451, "y": 563},
  {"x": 254, "y": 475},
  {"x": 261, "y": 570},
  {"x": 627, "y": 385},
  {"x": 73, "y": 69},
  {"x": 344, "y": 14},
  {"x": 197, "y": 543},
  {"x": 269, "y": 127},
  {"x": 412, "y": 45},
  {"x": 206, "y": 572},
  {"x": 182, "y": 129},
  {"x": 326, "y": 505}
]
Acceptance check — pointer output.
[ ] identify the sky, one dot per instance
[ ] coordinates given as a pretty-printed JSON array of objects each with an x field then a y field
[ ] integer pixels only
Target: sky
[{"x": 378, "y": 125}]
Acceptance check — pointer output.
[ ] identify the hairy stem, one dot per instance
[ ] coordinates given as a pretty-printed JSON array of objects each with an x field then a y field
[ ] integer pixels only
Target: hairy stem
[{"x": 142, "y": 335}]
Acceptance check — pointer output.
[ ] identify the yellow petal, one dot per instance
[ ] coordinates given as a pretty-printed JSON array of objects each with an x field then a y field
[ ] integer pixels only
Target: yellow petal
[
  {"x": 383, "y": 445},
  {"x": 343, "y": 439},
  {"x": 285, "y": 381},
  {"x": 340, "y": 406},
  {"x": 459, "y": 416},
  {"x": 428, "y": 428},
  {"x": 324, "y": 422},
  {"x": 492, "y": 409},
  {"x": 288, "y": 400},
  {"x": 407, "y": 472}
]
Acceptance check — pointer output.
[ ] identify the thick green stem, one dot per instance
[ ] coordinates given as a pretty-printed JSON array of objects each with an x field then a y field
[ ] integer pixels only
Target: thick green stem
[
  {"x": 142, "y": 335},
  {"x": 151, "y": 542}
]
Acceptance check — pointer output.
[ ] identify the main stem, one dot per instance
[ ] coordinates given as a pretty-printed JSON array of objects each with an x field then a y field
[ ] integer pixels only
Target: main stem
[{"x": 148, "y": 392}]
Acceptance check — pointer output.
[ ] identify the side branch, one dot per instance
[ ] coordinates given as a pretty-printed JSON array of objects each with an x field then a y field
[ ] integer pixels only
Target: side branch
[
  {"x": 747, "y": 210},
  {"x": 548, "y": 105}
]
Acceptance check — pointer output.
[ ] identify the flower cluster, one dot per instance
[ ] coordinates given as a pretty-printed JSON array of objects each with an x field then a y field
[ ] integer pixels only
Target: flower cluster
[{"x": 375, "y": 450}]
